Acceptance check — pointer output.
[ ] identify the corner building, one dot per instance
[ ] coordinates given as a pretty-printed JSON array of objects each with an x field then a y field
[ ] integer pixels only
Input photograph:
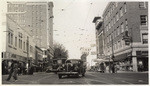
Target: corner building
[{"x": 126, "y": 34}]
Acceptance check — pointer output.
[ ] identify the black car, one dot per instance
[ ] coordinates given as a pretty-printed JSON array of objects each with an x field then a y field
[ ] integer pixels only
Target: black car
[{"x": 72, "y": 67}]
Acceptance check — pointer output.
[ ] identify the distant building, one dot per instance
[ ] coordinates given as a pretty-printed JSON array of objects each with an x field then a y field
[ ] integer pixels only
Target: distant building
[
  {"x": 40, "y": 22},
  {"x": 126, "y": 34},
  {"x": 88, "y": 54}
]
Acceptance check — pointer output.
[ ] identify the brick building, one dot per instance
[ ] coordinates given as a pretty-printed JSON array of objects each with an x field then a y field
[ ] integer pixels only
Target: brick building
[{"x": 126, "y": 34}]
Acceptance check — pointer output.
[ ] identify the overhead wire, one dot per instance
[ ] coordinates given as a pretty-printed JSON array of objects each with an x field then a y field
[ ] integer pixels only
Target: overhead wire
[{"x": 63, "y": 9}]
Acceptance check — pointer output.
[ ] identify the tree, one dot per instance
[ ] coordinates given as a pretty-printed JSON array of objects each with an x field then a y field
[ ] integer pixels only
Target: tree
[{"x": 60, "y": 53}]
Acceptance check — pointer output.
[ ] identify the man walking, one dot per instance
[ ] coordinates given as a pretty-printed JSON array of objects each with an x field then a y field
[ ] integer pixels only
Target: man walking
[{"x": 13, "y": 71}]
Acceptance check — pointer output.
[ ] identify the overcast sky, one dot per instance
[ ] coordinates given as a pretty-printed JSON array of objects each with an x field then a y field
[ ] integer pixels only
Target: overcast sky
[{"x": 73, "y": 25}]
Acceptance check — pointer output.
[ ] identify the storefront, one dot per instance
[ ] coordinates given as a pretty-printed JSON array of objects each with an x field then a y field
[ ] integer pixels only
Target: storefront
[{"x": 125, "y": 61}]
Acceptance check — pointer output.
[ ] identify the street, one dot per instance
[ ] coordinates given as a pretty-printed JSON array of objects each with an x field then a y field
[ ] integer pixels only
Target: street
[{"x": 90, "y": 78}]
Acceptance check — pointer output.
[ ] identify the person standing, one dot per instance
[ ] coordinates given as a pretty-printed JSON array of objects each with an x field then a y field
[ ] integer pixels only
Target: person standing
[
  {"x": 113, "y": 68},
  {"x": 15, "y": 71}
]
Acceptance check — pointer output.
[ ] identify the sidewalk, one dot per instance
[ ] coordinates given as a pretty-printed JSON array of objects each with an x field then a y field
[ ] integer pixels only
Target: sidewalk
[{"x": 131, "y": 72}]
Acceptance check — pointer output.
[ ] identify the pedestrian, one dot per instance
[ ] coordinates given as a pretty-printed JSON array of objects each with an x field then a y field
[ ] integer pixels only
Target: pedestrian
[
  {"x": 113, "y": 68},
  {"x": 13, "y": 71}
]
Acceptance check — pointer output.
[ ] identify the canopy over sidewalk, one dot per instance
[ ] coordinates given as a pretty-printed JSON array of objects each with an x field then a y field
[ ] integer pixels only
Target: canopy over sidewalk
[{"x": 102, "y": 60}]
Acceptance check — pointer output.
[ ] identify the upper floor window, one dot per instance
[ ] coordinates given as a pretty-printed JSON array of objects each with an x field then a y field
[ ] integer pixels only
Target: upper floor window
[
  {"x": 122, "y": 27},
  {"x": 145, "y": 38},
  {"x": 118, "y": 31},
  {"x": 126, "y": 25},
  {"x": 142, "y": 4},
  {"x": 114, "y": 20},
  {"x": 121, "y": 12},
  {"x": 143, "y": 19},
  {"x": 117, "y": 16},
  {"x": 125, "y": 7},
  {"x": 109, "y": 25},
  {"x": 15, "y": 41},
  {"x": 116, "y": 4},
  {"x": 9, "y": 37}
]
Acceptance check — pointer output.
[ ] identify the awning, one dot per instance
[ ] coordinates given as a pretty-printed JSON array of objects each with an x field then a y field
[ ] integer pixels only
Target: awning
[
  {"x": 102, "y": 60},
  {"x": 122, "y": 57}
]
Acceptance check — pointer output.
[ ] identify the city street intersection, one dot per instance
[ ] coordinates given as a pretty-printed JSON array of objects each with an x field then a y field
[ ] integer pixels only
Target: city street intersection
[{"x": 90, "y": 78}]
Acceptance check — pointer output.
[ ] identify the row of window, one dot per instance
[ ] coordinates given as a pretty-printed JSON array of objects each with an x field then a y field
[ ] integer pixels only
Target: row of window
[
  {"x": 115, "y": 19},
  {"x": 119, "y": 30},
  {"x": 117, "y": 45},
  {"x": 18, "y": 41},
  {"x": 16, "y": 8},
  {"x": 120, "y": 13},
  {"x": 121, "y": 43},
  {"x": 122, "y": 9}
]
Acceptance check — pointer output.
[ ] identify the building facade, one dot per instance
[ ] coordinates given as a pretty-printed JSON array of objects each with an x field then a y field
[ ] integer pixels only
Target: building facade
[
  {"x": 18, "y": 41},
  {"x": 99, "y": 37},
  {"x": 40, "y": 22},
  {"x": 126, "y": 34},
  {"x": 27, "y": 27}
]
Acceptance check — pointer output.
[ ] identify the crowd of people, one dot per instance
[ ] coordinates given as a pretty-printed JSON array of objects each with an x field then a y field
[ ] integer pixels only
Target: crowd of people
[{"x": 103, "y": 68}]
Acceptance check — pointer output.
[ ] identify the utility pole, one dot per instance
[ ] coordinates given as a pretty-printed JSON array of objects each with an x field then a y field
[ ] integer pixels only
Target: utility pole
[
  {"x": 112, "y": 56},
  {"x": 28, "y": 52}
]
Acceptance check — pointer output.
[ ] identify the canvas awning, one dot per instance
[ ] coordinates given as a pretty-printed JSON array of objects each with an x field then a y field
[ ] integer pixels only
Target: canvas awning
[{"x": 102, "y": 60}]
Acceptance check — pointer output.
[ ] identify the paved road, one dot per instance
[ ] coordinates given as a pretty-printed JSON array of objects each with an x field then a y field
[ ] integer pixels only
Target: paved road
[{"x": 90, "y": 78}]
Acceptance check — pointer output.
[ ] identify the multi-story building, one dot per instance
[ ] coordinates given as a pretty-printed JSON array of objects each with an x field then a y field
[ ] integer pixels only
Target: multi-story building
[
  {"x": 99, "y": 37},
  {"x": 18, "y": 44},
  {"x": 126, "y": 34},
  {"x": 40, "y": 22},
  {"x": 28, "y": 24}
]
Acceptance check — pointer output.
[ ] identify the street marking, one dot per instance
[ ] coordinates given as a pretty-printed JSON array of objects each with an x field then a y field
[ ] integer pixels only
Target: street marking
[
  {"x": 98, "y": 77},
  {"x": 126, "y": 82},
  {"x": 140, "y": 80},
  {"x": 86, "y": 80}
]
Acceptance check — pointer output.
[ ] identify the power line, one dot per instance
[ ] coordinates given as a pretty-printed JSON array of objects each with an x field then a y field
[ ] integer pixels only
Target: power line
[
  {"x": 87, "y": 15},
  {"x": 63, "y": 9}
]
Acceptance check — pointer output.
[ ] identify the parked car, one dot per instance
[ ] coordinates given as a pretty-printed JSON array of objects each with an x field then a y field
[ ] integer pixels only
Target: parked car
[{"x": 72, "y": 67}]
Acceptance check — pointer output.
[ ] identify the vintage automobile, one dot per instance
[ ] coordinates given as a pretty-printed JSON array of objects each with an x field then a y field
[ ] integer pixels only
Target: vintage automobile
[{"x": 72, "y": 67}]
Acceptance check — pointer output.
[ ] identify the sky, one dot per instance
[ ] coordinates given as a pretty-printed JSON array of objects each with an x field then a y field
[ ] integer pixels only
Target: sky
[{"x": 73, "y": 25}]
